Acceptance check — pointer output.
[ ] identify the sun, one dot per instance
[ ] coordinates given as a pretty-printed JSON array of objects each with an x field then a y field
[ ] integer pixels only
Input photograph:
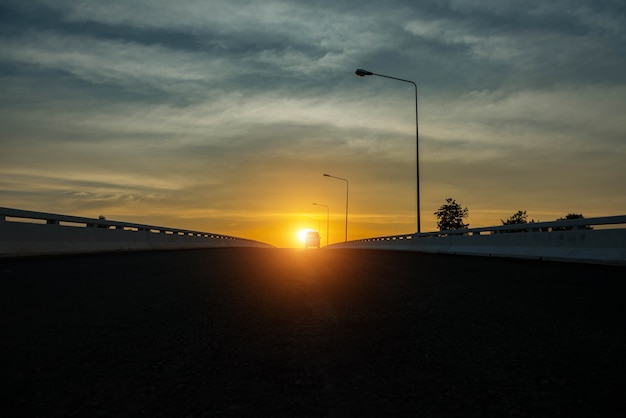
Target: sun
[{"x": 302, "y": 234}]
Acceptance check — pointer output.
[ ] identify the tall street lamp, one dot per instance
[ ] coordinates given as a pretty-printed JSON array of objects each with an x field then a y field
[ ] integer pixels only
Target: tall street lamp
[
  {"x": 347, "y": 186},
  {"x": 327, "y": 217},
  {"x": 362, "y": 73}
]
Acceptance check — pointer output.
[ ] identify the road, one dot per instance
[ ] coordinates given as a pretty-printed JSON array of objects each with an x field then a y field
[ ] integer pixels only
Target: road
[{"x": 310, "y": 333}]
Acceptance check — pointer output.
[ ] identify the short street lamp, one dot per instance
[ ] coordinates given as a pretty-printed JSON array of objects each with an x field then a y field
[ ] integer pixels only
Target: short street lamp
[
  {"x": 327, "y": 217},
  {"x": 362, "y": 73},
  {"x": 347, "y": 186}
]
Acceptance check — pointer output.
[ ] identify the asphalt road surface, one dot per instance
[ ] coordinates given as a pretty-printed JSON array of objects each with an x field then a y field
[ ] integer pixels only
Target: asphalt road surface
[{"x": 310, "y": 333}]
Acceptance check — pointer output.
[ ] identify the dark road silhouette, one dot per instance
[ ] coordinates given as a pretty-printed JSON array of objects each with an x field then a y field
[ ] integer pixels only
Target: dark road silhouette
[{"x": 294, "y": 332}]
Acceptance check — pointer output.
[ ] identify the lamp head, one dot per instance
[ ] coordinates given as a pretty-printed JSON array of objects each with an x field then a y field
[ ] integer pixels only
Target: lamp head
[{"x": 362, "y": 73}]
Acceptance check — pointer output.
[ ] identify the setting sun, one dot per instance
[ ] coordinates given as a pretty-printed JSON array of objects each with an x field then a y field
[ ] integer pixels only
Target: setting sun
[{"x": 302, "y": 234}]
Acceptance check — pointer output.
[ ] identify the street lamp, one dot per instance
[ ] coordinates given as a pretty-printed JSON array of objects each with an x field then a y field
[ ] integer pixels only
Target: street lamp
[
  {"x": 362, "y": 73},
  {"x": 327, "y": 217},
  {"x": 347, "y": 186}
]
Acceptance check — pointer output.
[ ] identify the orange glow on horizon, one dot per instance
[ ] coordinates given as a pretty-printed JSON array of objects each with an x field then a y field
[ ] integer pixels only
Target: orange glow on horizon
[{"x": 285, "y": 230}]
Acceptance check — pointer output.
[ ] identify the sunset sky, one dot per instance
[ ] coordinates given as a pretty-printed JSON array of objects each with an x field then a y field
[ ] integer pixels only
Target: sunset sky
[{"x": 222, "y": 115}]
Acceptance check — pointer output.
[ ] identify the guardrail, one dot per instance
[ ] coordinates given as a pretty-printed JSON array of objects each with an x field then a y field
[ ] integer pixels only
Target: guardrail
[
  {"x": 25, "y": 232},
  {"x": 573, "y": 240}
]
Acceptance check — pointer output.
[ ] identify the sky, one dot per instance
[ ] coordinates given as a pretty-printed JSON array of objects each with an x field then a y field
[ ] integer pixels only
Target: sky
[{"x": 223, "y": 115}]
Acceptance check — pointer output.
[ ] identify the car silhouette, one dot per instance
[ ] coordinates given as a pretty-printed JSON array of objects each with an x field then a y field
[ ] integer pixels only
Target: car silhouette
[{"x": 312, "y": 239}]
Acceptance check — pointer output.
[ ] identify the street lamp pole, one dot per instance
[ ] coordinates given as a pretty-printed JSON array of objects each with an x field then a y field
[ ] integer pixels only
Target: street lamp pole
[
  {"x": 362, "y": 73},
  {"x": 327, "y": 219},
  {"x": 347, "y": 186}
]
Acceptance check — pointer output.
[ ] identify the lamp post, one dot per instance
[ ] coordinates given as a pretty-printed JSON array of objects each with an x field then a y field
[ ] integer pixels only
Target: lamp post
[
  {"x": 347, "y": 186},
  {"x": 327, "y": 218},
  {"x": 362, "y": 73}
]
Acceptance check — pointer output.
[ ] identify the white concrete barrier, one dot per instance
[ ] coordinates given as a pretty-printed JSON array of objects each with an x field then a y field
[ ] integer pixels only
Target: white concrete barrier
[
  {"x": 576, "y": 240},
  {"x": 24, "y": 233}
]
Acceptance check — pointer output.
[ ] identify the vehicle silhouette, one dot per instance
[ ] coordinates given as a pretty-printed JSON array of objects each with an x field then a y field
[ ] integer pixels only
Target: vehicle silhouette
[{"x": 312, "y": 239}]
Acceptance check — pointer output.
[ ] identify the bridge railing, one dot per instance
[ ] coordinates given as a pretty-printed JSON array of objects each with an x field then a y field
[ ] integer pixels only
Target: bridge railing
[
  {"x": 24, "y": 232},
  {"x": 593, "y": 240}
]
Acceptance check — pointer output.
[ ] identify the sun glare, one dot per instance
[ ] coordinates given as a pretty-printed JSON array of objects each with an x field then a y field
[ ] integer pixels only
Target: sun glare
[{"x": 302, "y": 234}]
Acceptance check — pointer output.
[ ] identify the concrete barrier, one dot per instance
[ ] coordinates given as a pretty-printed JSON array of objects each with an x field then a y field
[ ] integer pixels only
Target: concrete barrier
[
  {"x": 24, "y": 233},
  {"x": 590, "y": 240},
  {"x": 570, "y": 240}
]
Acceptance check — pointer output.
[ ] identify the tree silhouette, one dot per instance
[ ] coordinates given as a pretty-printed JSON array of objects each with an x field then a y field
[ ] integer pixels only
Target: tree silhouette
[
  {"x": 450, "y": 216},
  {"x": 520, "y": 217},
  {"x": 569, "y": 216}
]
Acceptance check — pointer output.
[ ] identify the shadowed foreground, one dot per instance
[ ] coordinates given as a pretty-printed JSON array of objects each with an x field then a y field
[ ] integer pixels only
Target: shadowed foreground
[{"x": 280, "y": 332}]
